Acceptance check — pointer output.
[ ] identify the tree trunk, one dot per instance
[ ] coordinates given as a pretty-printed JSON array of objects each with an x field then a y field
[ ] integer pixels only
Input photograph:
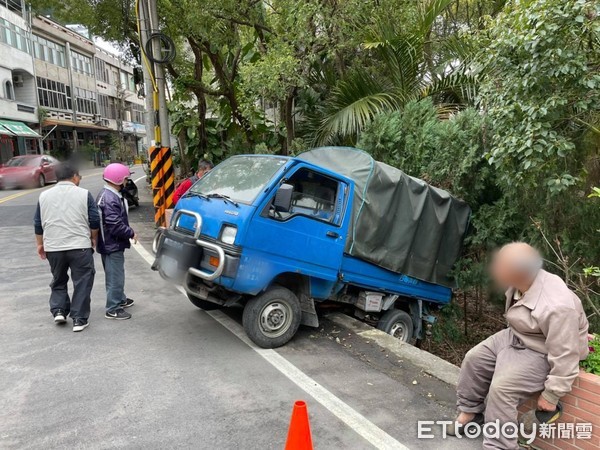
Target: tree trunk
[
  {"x": 203, "y": 138},
  {"x": 289, "y": 119},
  {"x": 465, "y": 314}
]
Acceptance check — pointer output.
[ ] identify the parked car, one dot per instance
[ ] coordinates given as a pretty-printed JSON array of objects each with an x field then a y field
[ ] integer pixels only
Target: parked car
[
  {"x": 28, "y": 171},
  {"x": 280, "y": 235}
]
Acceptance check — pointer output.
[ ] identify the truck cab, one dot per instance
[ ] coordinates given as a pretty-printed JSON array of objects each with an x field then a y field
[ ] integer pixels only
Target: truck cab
[{"x": 270, "y": 233}]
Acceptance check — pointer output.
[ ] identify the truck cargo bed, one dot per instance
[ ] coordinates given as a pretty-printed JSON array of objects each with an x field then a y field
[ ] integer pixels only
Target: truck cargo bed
[{"x": 369, "y": 276}]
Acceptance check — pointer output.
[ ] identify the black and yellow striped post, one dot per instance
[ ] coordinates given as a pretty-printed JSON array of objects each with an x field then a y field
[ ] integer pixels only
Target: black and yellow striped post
[{"x": 163, "y": 183}]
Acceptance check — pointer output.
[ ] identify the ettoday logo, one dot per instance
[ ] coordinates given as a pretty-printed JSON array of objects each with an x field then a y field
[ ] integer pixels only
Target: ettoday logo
[{"x": 494, "y": 430}]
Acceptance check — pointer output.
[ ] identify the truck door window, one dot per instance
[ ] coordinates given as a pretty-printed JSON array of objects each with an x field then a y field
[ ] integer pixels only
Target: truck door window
[{"x": 314, "y": 196}]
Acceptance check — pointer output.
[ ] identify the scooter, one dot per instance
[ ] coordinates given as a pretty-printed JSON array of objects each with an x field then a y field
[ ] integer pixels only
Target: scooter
[{"x": 130, "y": 193}]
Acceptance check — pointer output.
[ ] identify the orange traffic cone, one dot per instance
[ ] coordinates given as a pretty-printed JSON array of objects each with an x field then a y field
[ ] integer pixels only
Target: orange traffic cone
[{"x": 299, "y": 437}]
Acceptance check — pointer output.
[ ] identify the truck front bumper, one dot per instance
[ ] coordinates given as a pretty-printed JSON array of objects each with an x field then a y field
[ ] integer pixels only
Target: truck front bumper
[{"x": 193, "y": 260}]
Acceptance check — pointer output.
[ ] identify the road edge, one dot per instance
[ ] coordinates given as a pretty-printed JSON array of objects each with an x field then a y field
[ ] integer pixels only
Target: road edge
[{"x": 429, "y": 363}]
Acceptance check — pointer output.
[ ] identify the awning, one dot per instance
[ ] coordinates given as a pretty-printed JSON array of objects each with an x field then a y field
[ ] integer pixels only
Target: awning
[
  {"x": 18, "y": 128},
  {"x": 70, "y": 124}
]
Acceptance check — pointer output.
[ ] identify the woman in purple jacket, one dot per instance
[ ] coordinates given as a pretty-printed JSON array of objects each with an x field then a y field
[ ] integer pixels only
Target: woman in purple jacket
[{"x": 114, "y": 237}]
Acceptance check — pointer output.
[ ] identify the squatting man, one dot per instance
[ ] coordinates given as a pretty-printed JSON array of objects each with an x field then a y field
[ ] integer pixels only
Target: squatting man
[{"x": 538, "y": 352}]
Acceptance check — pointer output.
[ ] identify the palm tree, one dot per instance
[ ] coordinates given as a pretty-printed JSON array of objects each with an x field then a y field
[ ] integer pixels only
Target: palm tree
[{"x": 413, "y": 65}]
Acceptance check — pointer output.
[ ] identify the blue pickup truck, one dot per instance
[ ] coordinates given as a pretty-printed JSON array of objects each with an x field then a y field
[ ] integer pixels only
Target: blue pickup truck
[{"x": 279, "y": 235}]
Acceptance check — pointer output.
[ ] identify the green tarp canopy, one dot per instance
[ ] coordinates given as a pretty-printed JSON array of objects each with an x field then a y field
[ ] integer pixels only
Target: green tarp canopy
[
  {"x": 399, "y": 222},
  {"x": 18, "y": 128}
]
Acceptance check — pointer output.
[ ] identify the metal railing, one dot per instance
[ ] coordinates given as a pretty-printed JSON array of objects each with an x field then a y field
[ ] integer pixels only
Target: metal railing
[{"x": 13, "y": 5}]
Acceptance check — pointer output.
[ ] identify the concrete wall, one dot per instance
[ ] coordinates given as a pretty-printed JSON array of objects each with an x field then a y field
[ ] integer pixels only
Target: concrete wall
[
  {"x": 44, "y": 69},
  {"x": 84, "y": 82},
  {"x": 13, "y": 58}
]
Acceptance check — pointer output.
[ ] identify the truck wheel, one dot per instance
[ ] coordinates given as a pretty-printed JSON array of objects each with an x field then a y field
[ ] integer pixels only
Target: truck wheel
[
  {"x": 203, "y": 304},
  {"x": 398, "y": 324},
  {"x": 272, "y": 318}
]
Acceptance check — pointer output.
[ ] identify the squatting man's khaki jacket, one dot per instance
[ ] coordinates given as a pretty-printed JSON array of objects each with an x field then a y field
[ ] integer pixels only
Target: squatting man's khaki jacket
[{"x": 550, "y": 319}]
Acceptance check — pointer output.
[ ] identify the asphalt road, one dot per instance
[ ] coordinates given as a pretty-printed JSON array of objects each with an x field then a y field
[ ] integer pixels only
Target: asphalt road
[{"x": 178, "y": 377}]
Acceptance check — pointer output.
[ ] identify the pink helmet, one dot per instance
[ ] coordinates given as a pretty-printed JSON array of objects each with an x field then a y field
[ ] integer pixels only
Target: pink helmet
[{"x": 116, "y": 173}]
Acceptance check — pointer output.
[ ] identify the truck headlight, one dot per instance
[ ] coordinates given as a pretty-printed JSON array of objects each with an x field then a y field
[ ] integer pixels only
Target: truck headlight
[{"x": 228, "y": 234}]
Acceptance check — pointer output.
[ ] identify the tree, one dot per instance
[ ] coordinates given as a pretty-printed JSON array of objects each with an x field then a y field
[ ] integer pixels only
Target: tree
[
  {"x": 541, "y": 90},
  {"x": 409, "y": 67}
]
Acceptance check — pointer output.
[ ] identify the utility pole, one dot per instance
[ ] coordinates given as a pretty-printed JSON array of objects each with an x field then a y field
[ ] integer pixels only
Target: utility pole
[
  {"x": 159, "y": 75},
  {"x": 148, "y": 117},
  {"x": 163, "y": 113},
  {"x": 161, "y": 163}
]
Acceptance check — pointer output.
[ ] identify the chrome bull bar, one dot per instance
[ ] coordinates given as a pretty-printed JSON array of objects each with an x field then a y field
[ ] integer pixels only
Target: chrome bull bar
[{"x": 210, "y": 276}]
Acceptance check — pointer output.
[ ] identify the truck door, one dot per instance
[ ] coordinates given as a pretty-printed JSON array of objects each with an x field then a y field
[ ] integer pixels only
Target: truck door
[{"x": 310, "y": 238}]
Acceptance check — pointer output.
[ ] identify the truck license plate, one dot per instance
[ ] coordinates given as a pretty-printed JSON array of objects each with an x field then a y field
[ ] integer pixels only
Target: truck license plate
[{"x": 169, "y": 266}]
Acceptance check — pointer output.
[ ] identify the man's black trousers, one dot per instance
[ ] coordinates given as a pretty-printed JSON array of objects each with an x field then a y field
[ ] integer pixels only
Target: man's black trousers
[{"x": 81, "y": 264}]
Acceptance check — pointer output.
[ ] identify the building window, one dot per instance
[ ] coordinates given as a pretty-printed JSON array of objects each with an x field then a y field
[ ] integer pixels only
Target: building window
[
  {"x": 107, "y": 106},
  {"x": 131, "y": 83},
  {"x": 14, "y": 36},
  {"x": 82, "y": 64},
  {"x": 86, "y": 101},
  {"x": 9, "y": 93},
  {"x": 53, "y": 94},
  {"x": 48, "y": 51},
  {"x": 102, "y": 71},
  {"x": 137, "y": 113},
  {"x": 31, "y": 147}
]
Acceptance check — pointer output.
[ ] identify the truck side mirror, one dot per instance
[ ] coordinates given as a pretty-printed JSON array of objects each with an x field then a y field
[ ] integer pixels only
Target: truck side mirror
[{"x": 283, "y": 198}]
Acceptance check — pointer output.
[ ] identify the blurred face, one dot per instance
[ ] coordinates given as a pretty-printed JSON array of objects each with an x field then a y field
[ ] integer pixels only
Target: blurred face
[
  {"x": 501, "y": 272},
  {"x": 202, "y": 172},
  {"x": 76, "y": 179}
]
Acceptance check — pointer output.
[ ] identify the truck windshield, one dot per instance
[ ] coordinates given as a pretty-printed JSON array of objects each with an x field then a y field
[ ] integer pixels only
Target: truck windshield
[{"x": 240, "y": 178}]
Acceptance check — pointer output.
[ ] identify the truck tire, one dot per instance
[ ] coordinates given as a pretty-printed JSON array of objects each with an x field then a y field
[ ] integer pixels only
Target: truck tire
[
  {"x": 272, "y": 318},
  {"x": 202, "y": 304},
  {"x": 397, "y": 323}
]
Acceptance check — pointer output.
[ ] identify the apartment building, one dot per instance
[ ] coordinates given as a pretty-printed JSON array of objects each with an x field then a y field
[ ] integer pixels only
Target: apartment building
[
  {"x": 18, "y": 102},
  {"x": 120, "y": 108},
  {"x": 88, "y": 95},
  {"x": 78, "y": 97}
]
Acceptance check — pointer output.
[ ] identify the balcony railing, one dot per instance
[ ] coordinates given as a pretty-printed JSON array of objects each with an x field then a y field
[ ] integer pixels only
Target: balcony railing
[{"x": 13, "y": 5}]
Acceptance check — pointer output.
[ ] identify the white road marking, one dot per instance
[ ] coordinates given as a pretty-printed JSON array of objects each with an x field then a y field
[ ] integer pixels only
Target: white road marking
[
  {"x": 138, "y": 179},
  {"x": 356, "y": 421}
]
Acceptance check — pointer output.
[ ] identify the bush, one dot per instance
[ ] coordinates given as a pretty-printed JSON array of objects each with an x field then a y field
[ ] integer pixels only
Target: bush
[{"x": 592, "y": 363}]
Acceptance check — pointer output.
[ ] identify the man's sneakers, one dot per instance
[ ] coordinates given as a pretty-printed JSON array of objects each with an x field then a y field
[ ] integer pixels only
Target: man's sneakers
[
  {"x": 80, "y": 324},
  {"x": 118, "y": 314},
  {"x": 127, "y": 303},
  {"x": 60, "y": 317}
]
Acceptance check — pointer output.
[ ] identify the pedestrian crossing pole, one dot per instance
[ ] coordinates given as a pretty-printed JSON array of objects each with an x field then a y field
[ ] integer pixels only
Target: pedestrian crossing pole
[{"x": 161, "y": 162}]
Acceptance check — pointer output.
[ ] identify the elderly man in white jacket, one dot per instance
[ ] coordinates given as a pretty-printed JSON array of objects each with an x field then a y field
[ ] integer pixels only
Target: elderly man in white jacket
[{"x": 66, "y": 228}]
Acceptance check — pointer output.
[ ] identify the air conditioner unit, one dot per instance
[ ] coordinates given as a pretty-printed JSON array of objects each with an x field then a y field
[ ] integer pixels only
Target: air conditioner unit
[{"x": 18, "y": 80}]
